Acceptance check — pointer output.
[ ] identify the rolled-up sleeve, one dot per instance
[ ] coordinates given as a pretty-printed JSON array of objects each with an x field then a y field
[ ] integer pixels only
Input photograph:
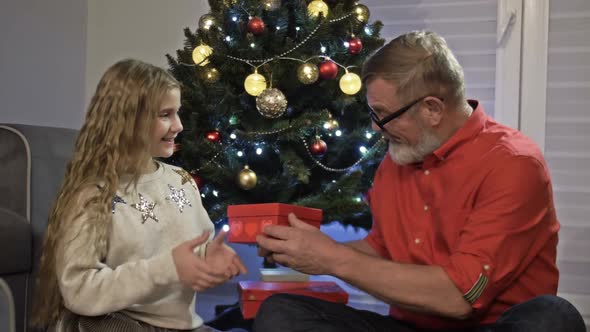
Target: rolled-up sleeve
[{"x": 511, "y": 222}]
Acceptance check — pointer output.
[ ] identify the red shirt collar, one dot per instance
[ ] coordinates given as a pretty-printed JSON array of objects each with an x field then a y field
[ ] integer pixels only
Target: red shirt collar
[{"x": 473, "y": 126}]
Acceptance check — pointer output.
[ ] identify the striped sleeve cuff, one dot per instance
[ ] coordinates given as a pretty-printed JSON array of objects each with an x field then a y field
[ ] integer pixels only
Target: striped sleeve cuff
[{"x": 473, "y": 294}]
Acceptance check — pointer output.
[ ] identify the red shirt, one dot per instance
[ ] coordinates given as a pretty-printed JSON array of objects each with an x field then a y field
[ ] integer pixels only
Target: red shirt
[{"x": 481, "y": 207}]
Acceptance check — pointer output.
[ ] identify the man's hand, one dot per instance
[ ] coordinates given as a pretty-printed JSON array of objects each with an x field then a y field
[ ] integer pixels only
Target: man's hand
[
  {"x": 222, "y": 258},
  {"x": 301, "y": 247}
]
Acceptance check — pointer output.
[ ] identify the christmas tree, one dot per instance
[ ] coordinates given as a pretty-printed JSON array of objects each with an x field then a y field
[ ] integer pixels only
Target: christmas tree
[{"x": 273, "y": 106}]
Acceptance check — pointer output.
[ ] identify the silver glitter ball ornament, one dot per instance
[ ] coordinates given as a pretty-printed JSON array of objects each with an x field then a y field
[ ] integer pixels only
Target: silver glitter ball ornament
[{"x": 271, "y": 103}]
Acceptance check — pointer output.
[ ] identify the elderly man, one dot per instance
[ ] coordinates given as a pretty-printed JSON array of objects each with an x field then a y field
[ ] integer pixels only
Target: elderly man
[{"x": 464, "y": 229}]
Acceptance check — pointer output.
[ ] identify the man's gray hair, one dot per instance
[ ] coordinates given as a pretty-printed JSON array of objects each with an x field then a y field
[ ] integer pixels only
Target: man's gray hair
[{"x": 419, "y": 63}]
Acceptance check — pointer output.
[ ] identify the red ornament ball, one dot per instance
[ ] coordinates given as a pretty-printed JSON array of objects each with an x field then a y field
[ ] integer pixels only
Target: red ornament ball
[
  {"x": 355, "y": 46},
  {"x": 213, "y": 136},
  {"x": 318, "y": 148},
  {"x": 198, "y": 180},
  {"x": 256, "y": 25},
  {"x": 328, "y": 70}
]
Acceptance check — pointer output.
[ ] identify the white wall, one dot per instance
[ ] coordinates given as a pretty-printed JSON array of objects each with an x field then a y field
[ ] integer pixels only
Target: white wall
[
  {"x": 52, "y": 53},
  {"x": 42, "y": 62},
  {"x": 141, "y": 29}
]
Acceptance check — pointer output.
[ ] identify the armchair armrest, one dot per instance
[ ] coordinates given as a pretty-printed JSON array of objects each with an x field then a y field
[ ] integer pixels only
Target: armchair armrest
[{"x": 16, "y": 239}]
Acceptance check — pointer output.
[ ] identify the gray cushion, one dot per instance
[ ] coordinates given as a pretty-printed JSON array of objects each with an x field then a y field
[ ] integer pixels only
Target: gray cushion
[{"x": 16, "y": 237}]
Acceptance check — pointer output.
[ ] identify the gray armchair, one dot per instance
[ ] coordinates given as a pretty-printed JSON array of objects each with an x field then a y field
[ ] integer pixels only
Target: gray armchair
[{"x": 32, "y": 165}]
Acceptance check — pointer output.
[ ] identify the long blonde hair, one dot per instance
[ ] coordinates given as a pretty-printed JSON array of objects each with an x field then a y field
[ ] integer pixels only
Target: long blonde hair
[
  {"x": 418, "y": 62},
  {"x": 114, "y": 141}
]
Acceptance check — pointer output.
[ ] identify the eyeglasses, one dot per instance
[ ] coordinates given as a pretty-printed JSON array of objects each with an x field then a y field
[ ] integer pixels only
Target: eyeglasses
[{"x": 382, "y": 122}]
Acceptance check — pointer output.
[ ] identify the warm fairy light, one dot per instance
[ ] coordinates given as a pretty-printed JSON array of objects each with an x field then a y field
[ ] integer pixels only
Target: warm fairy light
[
  {"x": 201, "y": 54},
  {"x": 255, "y": 84},
  {"x": 317, "y": 7},
  {"x": 350, "y": 83}
]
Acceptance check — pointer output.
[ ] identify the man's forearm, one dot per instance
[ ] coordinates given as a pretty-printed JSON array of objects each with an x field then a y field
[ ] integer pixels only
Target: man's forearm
[
  {"x": 418, "y": 288},
  {"x": 362, "y": 246}
]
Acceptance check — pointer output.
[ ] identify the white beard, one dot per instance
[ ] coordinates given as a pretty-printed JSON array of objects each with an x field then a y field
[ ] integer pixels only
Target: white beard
[{"x": 404, "y": 154}]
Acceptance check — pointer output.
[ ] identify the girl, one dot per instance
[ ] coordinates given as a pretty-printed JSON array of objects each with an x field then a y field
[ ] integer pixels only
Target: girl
[{"x": 128, "y": 240}]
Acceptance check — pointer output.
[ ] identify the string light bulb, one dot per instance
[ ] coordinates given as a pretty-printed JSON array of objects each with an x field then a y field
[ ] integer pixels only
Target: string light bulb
[
  {"x": 201, "y": 54},
  {"x": 255, "y": 84},
  {"x": 317, "y": 7},
  {"x": 350, "y": 83}
]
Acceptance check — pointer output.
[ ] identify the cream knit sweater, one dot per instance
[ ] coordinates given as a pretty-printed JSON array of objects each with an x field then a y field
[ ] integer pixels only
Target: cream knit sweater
[{"x": 138, "y": 276}]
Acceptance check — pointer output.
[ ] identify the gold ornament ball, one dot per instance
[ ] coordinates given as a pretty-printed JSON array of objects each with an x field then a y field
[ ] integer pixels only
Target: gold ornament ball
[
  {"x": 211, "y": 75},
  {"x": 247, "y": 178},
  {"x": 308, "y": 73},
  {"x": 271, "y": 4},
  {"x": 255, "y": 84},
  {"x": 206, "y": 21},
  {"x": 201, "y": 54},
  {"x": 271, "y": 103},
  {"x": 350, "y": 83},
  {"x": 362, "y": 13},
  {"x": 317, "y": 7}
]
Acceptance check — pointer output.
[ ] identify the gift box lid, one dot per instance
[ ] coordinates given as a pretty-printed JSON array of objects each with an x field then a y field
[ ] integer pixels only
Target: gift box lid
[
  {"x": 273, "y": 209},
  {"x": 260, "y": 290}
]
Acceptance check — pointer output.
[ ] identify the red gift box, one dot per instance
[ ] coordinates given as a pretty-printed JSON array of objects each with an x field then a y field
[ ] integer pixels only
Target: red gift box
[
  {"x": 247, "y": 220},
  {"x": 253, "y": 293}
]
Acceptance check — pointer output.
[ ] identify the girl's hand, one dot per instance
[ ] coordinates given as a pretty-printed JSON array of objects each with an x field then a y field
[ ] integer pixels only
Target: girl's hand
[
  {"x": 222, "y": 258},
  {"x": 192, "y": 270}
]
